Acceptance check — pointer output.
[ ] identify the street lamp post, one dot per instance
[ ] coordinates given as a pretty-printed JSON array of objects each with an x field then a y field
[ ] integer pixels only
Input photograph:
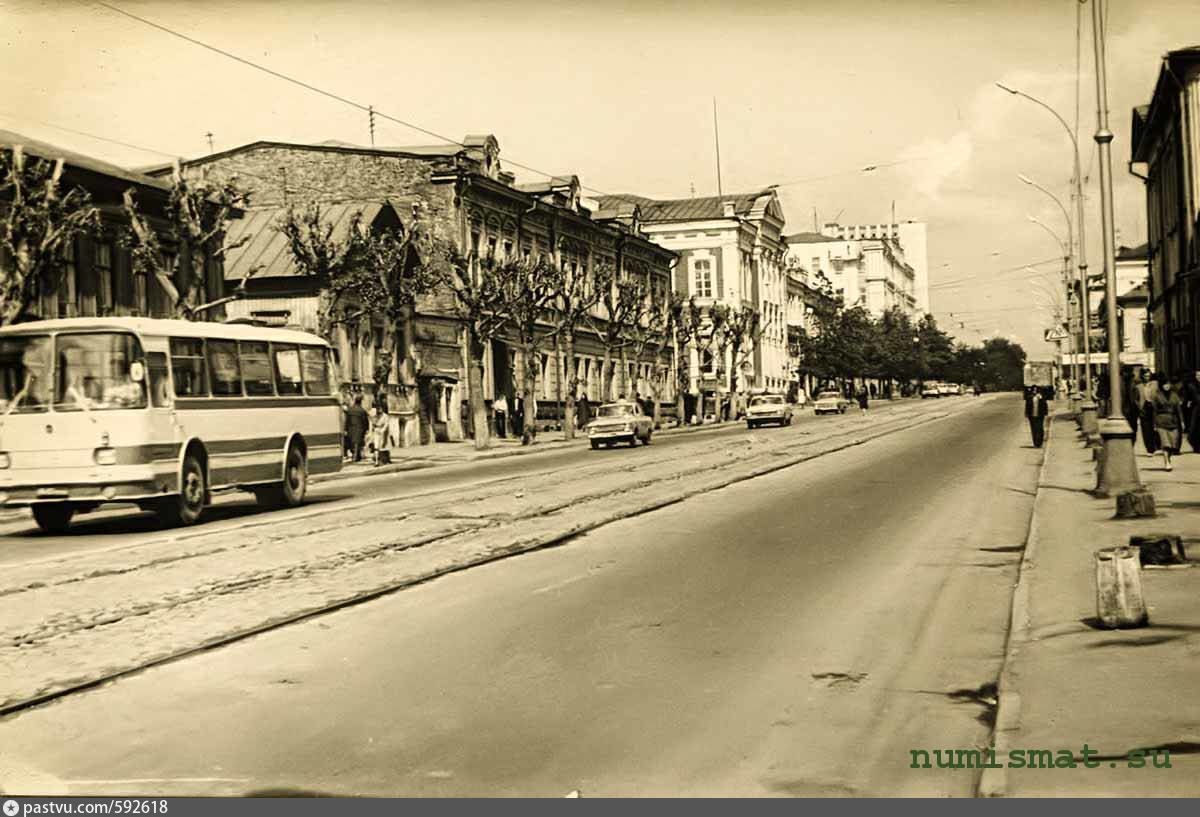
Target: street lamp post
[
  {"x": 1085, "y": 305},
  {"x": 1118, "y": 470},
  {"x": 1067, "y": 294},
  {"x": 1081, "y": 256}
]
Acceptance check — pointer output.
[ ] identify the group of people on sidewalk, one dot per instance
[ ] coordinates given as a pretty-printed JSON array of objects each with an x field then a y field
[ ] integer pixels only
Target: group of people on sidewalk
[
  {"x": 1163, "y": 410},
  {"x": 363, "y": 431}
]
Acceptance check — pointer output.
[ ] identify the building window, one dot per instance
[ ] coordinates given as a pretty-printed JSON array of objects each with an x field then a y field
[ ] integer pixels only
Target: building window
[
  {"x": 702, "y": 277},
  {"x": 105, "y": 301}
]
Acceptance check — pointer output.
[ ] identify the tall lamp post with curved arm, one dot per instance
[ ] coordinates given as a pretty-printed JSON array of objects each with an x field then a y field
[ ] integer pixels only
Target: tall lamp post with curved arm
[
  {"x": 1085, "y": 306},
  {"x": 1066, "y": 284},
  {"x": 1081, "y": 255}
]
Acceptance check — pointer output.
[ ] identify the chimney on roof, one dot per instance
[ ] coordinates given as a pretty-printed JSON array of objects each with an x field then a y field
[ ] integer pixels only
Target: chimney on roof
[{"x": 727, "y": 209}]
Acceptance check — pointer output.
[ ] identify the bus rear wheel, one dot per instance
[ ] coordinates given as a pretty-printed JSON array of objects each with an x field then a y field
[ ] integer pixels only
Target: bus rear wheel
[
  {"x": 290, "y": 492},
  {"x": 185, "y": 507},
  {"x": 53, "y": 517}
]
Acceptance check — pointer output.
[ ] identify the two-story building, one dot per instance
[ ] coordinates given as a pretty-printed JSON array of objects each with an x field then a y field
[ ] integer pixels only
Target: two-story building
[
  {"x": 1165, "y": 151},
  {"x": 96, "y": 278},
  {"x": 461, "y": 193},
  {"x": 731, "y": 253}
]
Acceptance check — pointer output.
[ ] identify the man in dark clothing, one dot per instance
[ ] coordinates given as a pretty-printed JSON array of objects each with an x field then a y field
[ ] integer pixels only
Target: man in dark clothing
[
  {"x": 357, "y": 423},
  {"x": 1035, "y": 411}
]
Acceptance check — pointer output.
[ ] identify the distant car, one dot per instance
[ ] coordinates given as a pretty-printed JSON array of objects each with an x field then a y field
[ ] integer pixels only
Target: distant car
[
  {"x": 931, "y": 390},
  {"x": 768, "y": 408},
  {"x": 953, "y": 388},
  {"x": 946, "y": 389},
  {"x": 621, "y": 422},
  {"x": 830, "y": 402}
]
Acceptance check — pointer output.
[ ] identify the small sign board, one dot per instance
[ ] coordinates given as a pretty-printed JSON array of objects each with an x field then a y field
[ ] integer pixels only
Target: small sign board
[{"x": 1055, "y": 334}]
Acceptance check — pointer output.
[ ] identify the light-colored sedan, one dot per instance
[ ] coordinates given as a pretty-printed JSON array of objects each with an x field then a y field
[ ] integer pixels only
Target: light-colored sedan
[
  {"x": 622, "y": 422},
  {"x": 830, "y": 402},
  {"x": 768, "y": 408}
]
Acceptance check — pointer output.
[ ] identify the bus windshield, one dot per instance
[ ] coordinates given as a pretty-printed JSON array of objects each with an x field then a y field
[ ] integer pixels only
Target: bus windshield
[
  {"x": 95, "y": 371},
  {"x": 24, "y": 373}
]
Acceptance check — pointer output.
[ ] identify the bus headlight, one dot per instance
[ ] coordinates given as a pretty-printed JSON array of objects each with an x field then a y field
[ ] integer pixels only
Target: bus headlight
[
  {"x": 105, "y": 456},
  {"x": 5, "y": 460}
]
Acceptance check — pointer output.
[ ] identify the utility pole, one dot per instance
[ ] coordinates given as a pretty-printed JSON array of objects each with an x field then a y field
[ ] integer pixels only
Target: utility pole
[
  {"x": 209, "y": 136},
  {"x": 371, "y": 122},
  {"x": 717, "y": 140},
  {"x": 1118, "y": 472}
]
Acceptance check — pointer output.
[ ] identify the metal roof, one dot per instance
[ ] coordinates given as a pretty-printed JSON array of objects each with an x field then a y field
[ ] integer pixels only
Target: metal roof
[
  {"x": 45, "y": 150},
  {"x": 697, "y": 209},
  {"x": 811, "y": 238},
  {"x": 268, "y": 247},
  {"x": 166, "y": 326}
]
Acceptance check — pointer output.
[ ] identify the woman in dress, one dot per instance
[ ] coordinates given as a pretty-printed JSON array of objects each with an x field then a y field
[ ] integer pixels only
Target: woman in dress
[{"x": 1167, "y": 410}]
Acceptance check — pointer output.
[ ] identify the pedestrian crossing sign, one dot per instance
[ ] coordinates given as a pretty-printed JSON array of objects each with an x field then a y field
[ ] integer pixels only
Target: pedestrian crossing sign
[{"x": 1055, "y": 334}]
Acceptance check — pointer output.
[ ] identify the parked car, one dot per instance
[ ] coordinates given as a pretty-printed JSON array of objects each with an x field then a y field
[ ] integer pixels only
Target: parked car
[
  {"x": 945, "y": 389},
  {"x": 931, "y": 390},
  {"x": 831, "y": 402},
  {"x": 953, "y": 388},
  {"x": 768, "y": 408},
  {"x": 620, "y": 422}
]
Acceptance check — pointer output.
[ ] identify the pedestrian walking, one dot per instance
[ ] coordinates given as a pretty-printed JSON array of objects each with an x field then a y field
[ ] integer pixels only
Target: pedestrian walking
[
  {"x": 583, "y": 411},
  {"x": 1036, "y": 410},
  {"x": 381, "y": 435},
  {"x": 357, "y": 423},
  {"x": 500, "y": 410},
  {"x": 862, "y": 400},
  {"x": 1147, "y": 389},
  {"x": 1167, "y": 411}
]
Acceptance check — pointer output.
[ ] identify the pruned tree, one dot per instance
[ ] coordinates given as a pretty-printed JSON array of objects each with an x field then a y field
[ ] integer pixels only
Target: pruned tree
[
  {"x": 681, "y": 320},
  {"x": 573, "y": 300},
  {"x": 197, "y": 218},
  {"x": 622, "y": 299},
  {"x": 652, "y": 336},
  {"x": 706, "y": 333},
  {"x": 481, "y": 302},
  {"x": 528, "y": 289},
  {"x": 37, "y": 221},
  {"x": 335, "y": 261},
  {"x": 744, "y": 328}
]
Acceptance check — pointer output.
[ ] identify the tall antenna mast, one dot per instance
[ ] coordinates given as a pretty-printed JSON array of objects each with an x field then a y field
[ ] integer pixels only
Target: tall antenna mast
[
  {"x": 717, "y": 140},
  {"x": 371, "y": 122}
]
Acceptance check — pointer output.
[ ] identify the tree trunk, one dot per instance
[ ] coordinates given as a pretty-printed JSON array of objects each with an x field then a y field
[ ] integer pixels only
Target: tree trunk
[
  {"x": 569, "y": 367},
  {"x": 407, "y": 367},
  {"x": 528, "y": 385},
  {"x": 682, "y": 370},
  {"x": 606, "y": 376},
  {"x": 628, "y": 387},
  {"x": 479, "y": 418}
]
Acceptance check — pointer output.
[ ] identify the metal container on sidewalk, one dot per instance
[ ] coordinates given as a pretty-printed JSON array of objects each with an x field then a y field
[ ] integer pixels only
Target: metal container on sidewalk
[{"x": 1119, "y": 600}]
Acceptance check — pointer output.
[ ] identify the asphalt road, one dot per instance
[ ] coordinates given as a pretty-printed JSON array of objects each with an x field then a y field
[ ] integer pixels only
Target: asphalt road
[
  {"x": 125, "y": 526},
  {"x": 795, "y": 634}
]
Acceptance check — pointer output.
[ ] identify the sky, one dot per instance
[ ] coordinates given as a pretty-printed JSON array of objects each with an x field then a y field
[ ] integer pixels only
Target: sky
[{"x": 808, "y": 94}]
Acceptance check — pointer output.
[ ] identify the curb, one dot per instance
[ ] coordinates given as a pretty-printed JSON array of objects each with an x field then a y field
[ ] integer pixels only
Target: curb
[{"x": 994, "y": 780}]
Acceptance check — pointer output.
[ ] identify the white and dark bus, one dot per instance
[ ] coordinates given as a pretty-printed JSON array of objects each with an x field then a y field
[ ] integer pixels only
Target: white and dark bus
[{"x": 161, "y": 413}]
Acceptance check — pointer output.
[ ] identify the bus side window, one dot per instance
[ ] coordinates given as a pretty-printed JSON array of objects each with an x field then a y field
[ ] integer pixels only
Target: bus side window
[
  {"x": 223, "y": 361},
  {"x": 287, "y": 369},
  {"x": 159, "y": 379},
  {"x": 188, "y": 367},
  {"x": 256, "y": 368},
  {"x": 316, "y": 370}
]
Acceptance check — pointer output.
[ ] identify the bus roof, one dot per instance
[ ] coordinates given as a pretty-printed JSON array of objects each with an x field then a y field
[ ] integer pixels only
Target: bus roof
[{"x": 168, "y": 328}]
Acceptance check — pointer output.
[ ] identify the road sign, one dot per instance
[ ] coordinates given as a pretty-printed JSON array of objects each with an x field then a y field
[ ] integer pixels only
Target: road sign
[{"x": 1056, "y": 334}]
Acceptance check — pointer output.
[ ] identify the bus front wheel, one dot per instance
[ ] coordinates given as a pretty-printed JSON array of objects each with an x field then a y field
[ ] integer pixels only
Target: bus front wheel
[
  {"x": 53, "y": 517},
  {"x": 185, "y": 507}
]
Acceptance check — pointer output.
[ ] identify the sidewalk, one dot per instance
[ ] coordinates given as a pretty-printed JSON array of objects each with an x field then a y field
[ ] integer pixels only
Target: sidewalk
[{"x": 1066, "y": 683}]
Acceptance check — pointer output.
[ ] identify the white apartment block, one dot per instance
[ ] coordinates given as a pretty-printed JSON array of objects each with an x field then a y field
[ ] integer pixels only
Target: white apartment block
[{"x": 910, "y": 236}]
